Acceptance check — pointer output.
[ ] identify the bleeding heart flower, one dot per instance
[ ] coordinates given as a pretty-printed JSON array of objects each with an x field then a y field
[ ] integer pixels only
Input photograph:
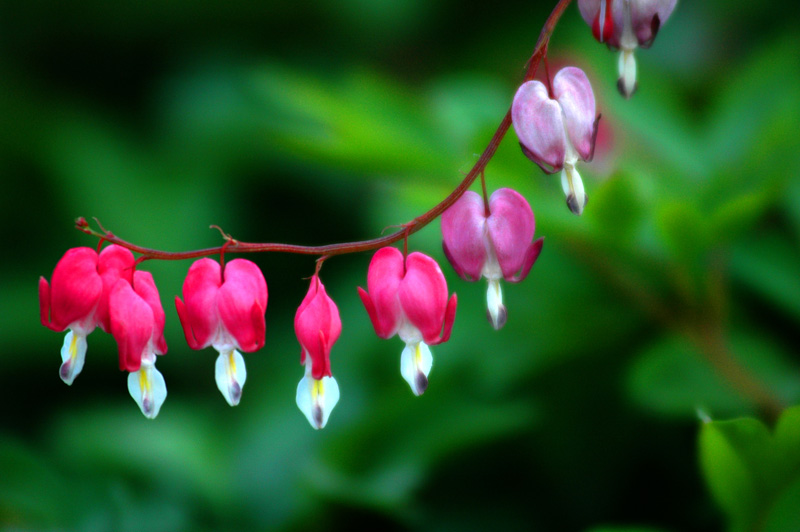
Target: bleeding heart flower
[
  {"x": 78, "y": 297},
  {"x": 493, "y": 242},
  {"x": 225, "y": 309},
  {"x": 317, "y": 326},
  {"x": 409, "y": 298},
  {"x": 555, "y": 130},
  {"x": 626, "y": 25},
  {"x": 137, "y": 324}
]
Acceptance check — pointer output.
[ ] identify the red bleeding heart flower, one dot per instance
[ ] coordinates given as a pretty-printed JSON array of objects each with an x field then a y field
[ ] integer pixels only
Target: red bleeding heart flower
[
  {"x": 408, "y": 297},
  {"x": 494, "y": 243}
]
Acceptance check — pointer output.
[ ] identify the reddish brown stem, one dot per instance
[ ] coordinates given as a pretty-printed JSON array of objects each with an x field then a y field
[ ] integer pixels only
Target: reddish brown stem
[{"x": 418, "y": 223}]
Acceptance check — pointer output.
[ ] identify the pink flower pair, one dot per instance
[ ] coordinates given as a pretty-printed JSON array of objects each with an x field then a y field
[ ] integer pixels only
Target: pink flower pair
[{"x": 89, "y": 290}]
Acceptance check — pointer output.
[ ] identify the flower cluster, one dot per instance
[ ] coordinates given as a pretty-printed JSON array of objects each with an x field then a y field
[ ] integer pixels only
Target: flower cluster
[{"x": 224, "y": 305}]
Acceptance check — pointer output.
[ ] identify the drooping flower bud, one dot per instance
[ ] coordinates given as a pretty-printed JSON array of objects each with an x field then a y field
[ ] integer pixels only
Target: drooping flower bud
[
  {"x": 494, "y": 244},
  {"x": 136, "y": 319},
  {"x": 77, "y": 299},
  {"x": 626, "y": 25},
  {"x": 317, "y": 326},
  {"x": 554, "y": 132},
  {"x": 225, "y": 310},
  {"x": 408, "y": 297}
]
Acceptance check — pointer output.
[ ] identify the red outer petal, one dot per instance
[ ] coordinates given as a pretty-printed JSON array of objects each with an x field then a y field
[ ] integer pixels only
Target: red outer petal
[
  {"x": 198, "y": 312},
  {"x": 538, "y": 124},
  {"x": 383, "y": 281},
  {"x": 574, "y": 93},
  {"x": 132, "y": 324},
  {"x": 530, "y": 258},
  {"x": 318, "y": 326},
  {"x": 242, "y": 302},
  {"x": 511, "y": 226},
  {"x": 423, "y": 296},
  {"x": 373, "y": 315},
  {"x": 145, "y": 287},
  {"x": 114, "y": 263},
  {"x": 463, "y": 226},
  {"x": 74, "y": 293}
]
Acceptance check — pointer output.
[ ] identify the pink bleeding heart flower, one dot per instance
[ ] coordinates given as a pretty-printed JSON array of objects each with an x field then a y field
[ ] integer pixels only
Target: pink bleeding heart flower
[
  {"x": 556, "y": 130},
  {"x": 77, "y": 299},
  {"x": 494, "y": 243},
  {"x": 626, "y": 25},
  {"x": 317, "y": 326},
  {"x": 137, "y": 323},
  {"x": 225, "y": 309},
  {"x": 408, "y": 297}
]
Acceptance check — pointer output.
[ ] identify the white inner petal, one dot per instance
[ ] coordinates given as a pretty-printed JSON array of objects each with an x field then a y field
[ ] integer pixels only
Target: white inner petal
[
  {"x": 627, "y": 70},
  {"x": 494, "y": 304},
  {"x": 230, "y": 374},
  {"x": 316, "y": 398},
  {"x": 148, "y": 389},
  {"x": 415, "y": 365},
  {"x": 73, "y": 355}
]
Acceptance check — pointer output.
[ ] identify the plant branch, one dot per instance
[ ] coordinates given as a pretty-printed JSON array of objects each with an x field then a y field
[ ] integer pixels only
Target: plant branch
[{"x": 235, "y": 246}]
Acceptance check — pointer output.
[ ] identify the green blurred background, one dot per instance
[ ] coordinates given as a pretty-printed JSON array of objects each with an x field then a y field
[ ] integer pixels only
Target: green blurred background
[{"x": 674, "y": 298}]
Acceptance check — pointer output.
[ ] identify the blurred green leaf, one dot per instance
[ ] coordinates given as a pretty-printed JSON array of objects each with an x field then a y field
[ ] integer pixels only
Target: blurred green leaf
[{"x": 753, "y": 475}]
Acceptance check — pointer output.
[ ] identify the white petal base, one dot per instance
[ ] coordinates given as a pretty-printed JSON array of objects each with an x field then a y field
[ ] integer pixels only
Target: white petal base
[
  {"x": 230, "y": 373},
  {"x": 316, "y": 398},
  {"x": 73, "y": 354},
  {"x": 415, "y": 365},
  {"x": 148, "y": 389},
  {"x": 572, "y": 184},
  {"x": 627, "y": 73},
  {"x": 495, "y": 310}
]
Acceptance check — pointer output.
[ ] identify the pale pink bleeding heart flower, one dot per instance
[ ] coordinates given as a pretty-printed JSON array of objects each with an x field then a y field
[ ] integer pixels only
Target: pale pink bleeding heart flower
[
  {"x": 494, "y": 243},
  {"x": 317, "y": 326},
  {"x": 225, "y": 309},
  {"x": 408, "y": 297},
  {"x": 556, "y": 130},
  {"x": 626, "y": 25},
  {"x": 137, "y": 323},
  {"x": 77, "y": 299}
]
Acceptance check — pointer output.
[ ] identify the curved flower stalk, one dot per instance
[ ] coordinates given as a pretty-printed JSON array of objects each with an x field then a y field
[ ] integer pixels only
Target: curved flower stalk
[
  {"x": 408, "y": 297},
  {"x": 137, "y": 324},
  {"x": 626, "y": 25},
  {"x": 556, "y": 130},
  {"x": 494, "y": 243},
  {"x": 77, "y": 299},
  {"x": 225, "y": 309},
  {"x": 318, "y": 326}
]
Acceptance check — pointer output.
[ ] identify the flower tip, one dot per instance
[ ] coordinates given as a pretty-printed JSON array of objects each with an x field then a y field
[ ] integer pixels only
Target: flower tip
[
  {"x": 421, "y": 384},
  {"x": 575, "y": 206},
  {"x": 499, "y": 318},
  {"x": 230, "y": 374}
]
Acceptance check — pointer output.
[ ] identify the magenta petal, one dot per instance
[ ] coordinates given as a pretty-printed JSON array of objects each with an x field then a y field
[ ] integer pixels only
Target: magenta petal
[
  {"x": 423, "y": 296},
  {"x": 530, "y": 258},
  {"x": 383, "y": 281},
  {"x": 199, "y": 312},
  {"x": 449, "y": 318},
  {"x": 511, "y": 226},
  {"x": 574, "y": 93},
  {"x": 318, "y": 326},
  {"x": 538, "y": 124},
  {"x": 463, "y": 226},
  {"x": 145, "y": 287},
  {"x": 187, "y": 327},
  {"x": 113, "y": 264},
  {"x": 131, "y": 321},
  {"x": 243, "y": 290},
  {"x": 74, "y": 291},
  {"x": 642, "y": 13},
  {"x": 372, "y": 313}
]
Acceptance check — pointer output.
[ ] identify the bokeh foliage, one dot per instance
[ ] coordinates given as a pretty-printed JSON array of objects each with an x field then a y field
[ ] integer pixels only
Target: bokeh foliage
[{"x": 676, "y": 293}]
